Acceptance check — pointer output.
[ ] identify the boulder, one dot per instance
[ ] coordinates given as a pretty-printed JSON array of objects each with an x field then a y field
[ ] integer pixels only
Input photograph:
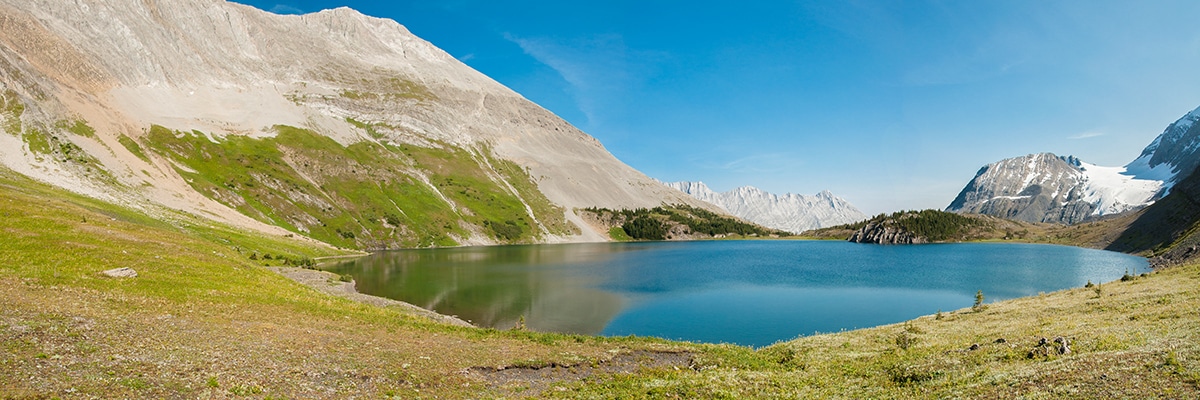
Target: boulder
[{"x": 123, "y": 272}]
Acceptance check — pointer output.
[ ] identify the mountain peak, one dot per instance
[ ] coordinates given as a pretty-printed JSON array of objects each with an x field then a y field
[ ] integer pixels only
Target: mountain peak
[
  {"x": 1044, "y": 187},
  {"x": 1173, "y": 154},
  {"x": 790, "y": 212}
]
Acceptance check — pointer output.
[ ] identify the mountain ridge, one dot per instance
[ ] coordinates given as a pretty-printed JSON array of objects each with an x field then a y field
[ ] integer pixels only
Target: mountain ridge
[{"x": 788, "y": 212}]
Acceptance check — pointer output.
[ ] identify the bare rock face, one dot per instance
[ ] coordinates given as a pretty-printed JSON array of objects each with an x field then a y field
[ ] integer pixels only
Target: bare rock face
[
  {"x": 1173, "y": 155},
  {"x": 95, "y": 78},
  {"x": 881, "y": 233},
  {"x": 788, "y": 212}
]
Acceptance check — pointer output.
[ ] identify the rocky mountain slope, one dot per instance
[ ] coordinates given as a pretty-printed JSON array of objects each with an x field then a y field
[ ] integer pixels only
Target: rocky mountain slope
[
  {"x": 789, "y": 212},
  {"x": 1173, "y": 155},
  {"x": 333, "y": 125},
  {"x": 1049, "y": 188}
]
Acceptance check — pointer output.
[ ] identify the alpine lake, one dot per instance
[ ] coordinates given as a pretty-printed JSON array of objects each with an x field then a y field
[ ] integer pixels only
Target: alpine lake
[{"x": 752, "y": 293}]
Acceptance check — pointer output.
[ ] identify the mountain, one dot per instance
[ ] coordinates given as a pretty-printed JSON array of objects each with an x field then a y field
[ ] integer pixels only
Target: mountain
[
  {"x": 789, "y": 212},
  {"x": 1048, "y": 188},
  {"x": 334, "y": 125},
  {"x": 1172, "y": 156}
]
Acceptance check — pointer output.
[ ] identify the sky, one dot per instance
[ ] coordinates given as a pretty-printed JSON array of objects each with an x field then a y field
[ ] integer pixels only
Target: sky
[{"x": 889, "y": 105}]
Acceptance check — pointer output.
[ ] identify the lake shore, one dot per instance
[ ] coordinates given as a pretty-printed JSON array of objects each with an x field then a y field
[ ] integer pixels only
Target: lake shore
[{"x": 330, "y": 283}]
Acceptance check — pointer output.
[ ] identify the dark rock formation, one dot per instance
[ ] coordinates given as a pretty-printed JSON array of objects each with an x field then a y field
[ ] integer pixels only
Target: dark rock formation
[{"x": 881, "y": 233}]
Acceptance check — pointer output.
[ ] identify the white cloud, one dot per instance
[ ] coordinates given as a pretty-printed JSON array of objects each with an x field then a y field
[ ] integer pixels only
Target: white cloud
[
  {"x": 1085, "y": 135},
  {"x": 285, "y": 9}
]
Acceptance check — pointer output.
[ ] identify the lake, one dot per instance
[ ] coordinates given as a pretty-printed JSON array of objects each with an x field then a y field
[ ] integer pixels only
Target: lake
[{"x": 747, "y": 292}]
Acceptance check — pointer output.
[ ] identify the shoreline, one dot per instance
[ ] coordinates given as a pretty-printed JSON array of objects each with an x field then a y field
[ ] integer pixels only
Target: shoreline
[{"x": 329, "y": 283}]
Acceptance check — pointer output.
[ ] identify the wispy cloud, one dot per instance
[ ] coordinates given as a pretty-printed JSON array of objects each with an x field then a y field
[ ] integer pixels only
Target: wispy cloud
[
  {"x": 756, "y": 163},
  {"x": 1085, "y": 135},
  {"x": 467, "y": 57},
  {"x": 285, "y": 9},
  {"x": 598, "y": 70}
]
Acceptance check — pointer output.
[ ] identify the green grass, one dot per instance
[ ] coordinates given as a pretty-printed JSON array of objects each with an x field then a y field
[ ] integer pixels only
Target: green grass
[
  {"x": 11, "y": 110},
  {"x": 38, "y": 142},
  {"x": 133, "y": 147},
  {"x": 77, "y": 127},
  {"x": 618, "y": 234}
]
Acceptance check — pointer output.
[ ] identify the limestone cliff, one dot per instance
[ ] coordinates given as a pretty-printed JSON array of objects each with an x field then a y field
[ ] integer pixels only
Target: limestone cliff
[{"x": 788, "y": 212}]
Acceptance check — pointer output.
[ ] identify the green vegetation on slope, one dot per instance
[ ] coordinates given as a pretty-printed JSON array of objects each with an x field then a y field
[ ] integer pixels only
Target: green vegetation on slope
[
  {"x": 934, "y": 225},
  {"x": 675, "y": 222},
  {"x": 365, "y": 195},
  {"x": 133, "y": 147},
  {"x": 11, "y": 109}
]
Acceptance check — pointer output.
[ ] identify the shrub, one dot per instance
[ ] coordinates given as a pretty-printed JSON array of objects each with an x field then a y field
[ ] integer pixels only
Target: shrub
[
  {"x": 645, "y": 228},
  {"x": 904, "y": 340}
]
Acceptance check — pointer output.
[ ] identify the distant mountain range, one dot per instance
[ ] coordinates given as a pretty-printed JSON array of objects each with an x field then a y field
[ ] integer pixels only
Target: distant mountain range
[
  {"x": 789, "y": 212},
  {"x": 1063, "y": 189}
]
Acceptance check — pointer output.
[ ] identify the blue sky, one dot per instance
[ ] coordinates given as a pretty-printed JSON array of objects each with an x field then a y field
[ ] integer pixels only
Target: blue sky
[{"x": 891, "y": 105}]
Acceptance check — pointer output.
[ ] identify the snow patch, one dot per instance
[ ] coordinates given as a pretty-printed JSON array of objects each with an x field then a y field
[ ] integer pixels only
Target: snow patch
[{"x": 1115, "y": 190}]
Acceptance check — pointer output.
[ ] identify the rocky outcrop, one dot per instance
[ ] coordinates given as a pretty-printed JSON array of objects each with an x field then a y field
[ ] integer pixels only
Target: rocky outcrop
[
  {"x": 881, "y": 233},
  {"x": 788, "y": 212}
]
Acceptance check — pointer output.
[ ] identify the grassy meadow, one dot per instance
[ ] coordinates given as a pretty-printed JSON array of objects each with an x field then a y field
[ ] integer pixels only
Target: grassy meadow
[{"x": 204, "y": 320}]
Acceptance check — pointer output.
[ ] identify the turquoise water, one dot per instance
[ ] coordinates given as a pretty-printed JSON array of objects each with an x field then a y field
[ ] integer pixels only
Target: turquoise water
[{"x": 745, "y": 292}]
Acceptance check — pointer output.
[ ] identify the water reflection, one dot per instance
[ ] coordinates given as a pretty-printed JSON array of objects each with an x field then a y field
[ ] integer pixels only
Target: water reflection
[{"x": 747, "y": 292}]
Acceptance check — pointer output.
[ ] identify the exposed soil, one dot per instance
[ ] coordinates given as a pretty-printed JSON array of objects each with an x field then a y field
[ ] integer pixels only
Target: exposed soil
[{"x": 532, "y": 380}]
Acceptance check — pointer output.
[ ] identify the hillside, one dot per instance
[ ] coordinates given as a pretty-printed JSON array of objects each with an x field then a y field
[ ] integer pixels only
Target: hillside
[
  {"x": 675, "y": 222},
  {"x": 1166, "y": 231},
  {"x": 333, "y": 125},
  {"x": 931, "y": 226},
  {"x": 788, "y": 212}
]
